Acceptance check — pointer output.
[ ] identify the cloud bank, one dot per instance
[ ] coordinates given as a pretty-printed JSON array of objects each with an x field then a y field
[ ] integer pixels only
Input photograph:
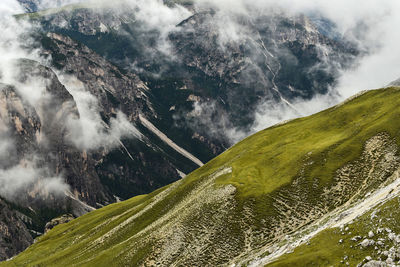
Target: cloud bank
[{"x": 28, "y": 178}]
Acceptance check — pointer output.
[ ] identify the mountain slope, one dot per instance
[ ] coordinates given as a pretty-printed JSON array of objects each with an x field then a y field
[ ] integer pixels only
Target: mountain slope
[{"x": 267, "y": 191}]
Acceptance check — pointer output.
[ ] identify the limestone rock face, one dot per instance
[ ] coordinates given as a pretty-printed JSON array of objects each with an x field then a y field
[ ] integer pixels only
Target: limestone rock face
[
  {"x": 57, "y": 221},
  {"x": 14, "y": 236}
]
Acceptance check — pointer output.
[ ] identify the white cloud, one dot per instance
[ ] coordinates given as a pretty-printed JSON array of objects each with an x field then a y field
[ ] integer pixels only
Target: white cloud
[
  {"x": 206, "y": 116},
  {"x": 89, "y": 131},
  {"x": 270, "y": 113},
  {"x": 46, "y": 4},
  {"x": 27, "y": 177},
  {"x": 8, "y": 7}
]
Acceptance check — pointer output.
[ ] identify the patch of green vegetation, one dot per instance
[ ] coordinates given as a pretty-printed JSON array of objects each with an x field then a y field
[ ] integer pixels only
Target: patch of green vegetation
[
  {"x": 75, "y": 230},
  {"x": 264, "y": 167},
  {"x": 50, "y": 11},
  {"x": 272, "y": 158}
]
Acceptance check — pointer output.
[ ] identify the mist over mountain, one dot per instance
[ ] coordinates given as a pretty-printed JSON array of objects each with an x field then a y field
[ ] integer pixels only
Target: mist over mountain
[{"x": 101, "y": 101}]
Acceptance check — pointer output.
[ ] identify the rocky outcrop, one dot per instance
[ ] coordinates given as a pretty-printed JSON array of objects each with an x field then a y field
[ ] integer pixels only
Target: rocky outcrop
[
  {"x": 57, "y": 221},
  {"x": 14, "y": 235}
]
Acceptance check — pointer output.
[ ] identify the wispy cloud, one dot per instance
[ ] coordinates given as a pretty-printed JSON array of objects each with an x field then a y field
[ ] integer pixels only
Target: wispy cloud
[
  {"x": 89, "y": 131},
  {"x": 26, "y": 178}
]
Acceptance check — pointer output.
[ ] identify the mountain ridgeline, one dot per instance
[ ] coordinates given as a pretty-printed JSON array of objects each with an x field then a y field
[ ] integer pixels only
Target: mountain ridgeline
[{"x": 326, "y": 184}]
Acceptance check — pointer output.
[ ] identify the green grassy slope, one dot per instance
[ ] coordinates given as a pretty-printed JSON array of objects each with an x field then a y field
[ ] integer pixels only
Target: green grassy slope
[{"x": 255, "y": 194}]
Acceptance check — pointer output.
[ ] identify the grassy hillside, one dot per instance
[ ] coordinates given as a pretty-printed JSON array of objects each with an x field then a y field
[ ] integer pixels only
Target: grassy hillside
[{"x": 258, "y": 193}]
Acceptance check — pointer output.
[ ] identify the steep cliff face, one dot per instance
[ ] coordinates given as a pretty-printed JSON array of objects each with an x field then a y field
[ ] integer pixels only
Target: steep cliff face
[
  {"x": 121, "y": 169},
  {"x": 37, "y": 125},
  {"x": 32, "y": 115},
  {"x": 95, "y": 174},
  {"x": 14, "y": 236}
]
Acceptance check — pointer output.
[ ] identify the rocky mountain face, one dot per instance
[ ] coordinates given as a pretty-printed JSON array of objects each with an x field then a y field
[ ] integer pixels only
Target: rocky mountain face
[
  {"x": 57, "y": 221},
  {"x": 122, "y": 169},
  {"x": 327, "y": 195},
  {"x": 39, "y": 132},
  {"x": 14, "y": 235},
  {"x": 30, "y": 5},
  {"x": 276, "y": 58},
  {"x": 126, "y": 108},
  {"x": 40, "y": 150}
]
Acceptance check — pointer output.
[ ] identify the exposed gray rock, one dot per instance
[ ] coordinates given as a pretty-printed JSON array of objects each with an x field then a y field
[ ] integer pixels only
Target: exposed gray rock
[
  {"x": 14, "y": 235},
  {"x": 57, "y": 221},
  {"x": 367, "y": 243},
  {"x": 371, "y": 234},
  {"x": 375, "y": 264}
]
